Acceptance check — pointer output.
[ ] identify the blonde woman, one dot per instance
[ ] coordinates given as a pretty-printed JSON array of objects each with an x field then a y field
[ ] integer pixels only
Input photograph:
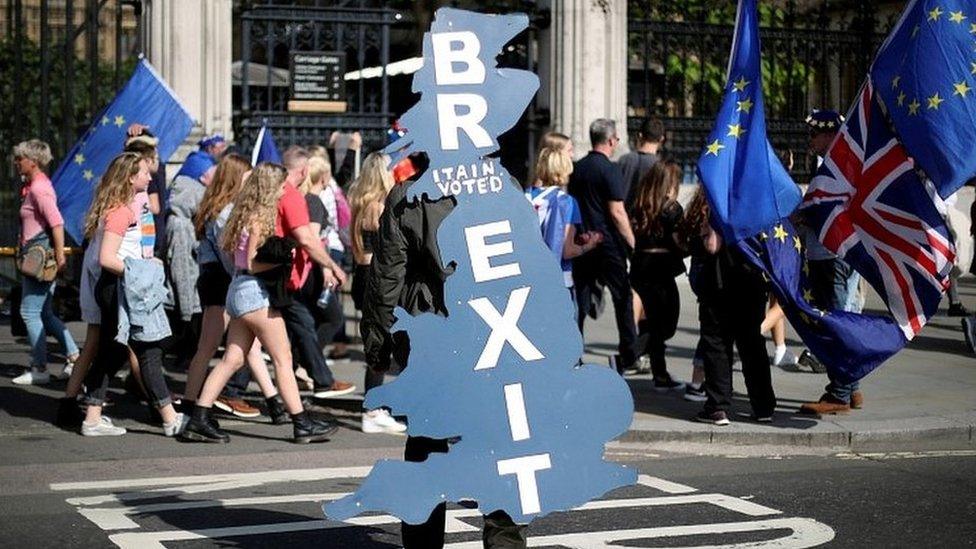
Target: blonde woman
[
  {"x": 116, "y": 232},
  {"x": 367, "y": 198},
  {"x": 262, "y": 263},
  {"x": 559, "y": 214},
  {"x": 40, "y": 224},
  {"x": 216, "y": 268}
]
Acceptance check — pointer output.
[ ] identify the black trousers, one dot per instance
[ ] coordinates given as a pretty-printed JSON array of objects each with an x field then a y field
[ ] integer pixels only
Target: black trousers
[
  {"x": 651, "y": 277},
  {"x": 112, "y": 355},
  {"x": 733, "y": 315},
  {"x": 500, "y": 532},
  {"x": 611, "y": 270}
]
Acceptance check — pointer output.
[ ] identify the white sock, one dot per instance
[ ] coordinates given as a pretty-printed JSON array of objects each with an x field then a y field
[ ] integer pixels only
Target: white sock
[{"x": 779, "y": 353}]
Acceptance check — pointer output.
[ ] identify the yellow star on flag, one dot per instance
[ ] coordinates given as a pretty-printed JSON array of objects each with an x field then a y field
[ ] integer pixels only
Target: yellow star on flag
[
  {"x": 79, "y": 159},
  {"x": 956, "y": 17},
  {"x": 105, "y": 120},
  {"x": 901, "y": 99},
  {"x": 961, "y": 89},
  {"x": 972, "y": 28},
  {"x": 88, "y": 175},
  {"x": 806, "y": 267},
  {"x": 714, "y": 147},
  {"x": 119, "y": 120},
  {"x": 740, "y": 84},
  {"x": 780, "y": 233},
  {"x": 935, "y": 101},
  {"x": 744, "y": 106},
  {"x": 935, "y": 14},
  {"x": 736, "y": 131},
  {"x": 797, "y": 243},
  {"x": 807, "y": 295},
  {"x": 913, "y": 107},
  {"x": 895, "y": 81},
  {"x": 972, "y": 68}
]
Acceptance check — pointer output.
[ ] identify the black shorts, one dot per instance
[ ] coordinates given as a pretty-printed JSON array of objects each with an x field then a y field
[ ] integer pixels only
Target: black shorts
[{"x": 212, "y": 284}]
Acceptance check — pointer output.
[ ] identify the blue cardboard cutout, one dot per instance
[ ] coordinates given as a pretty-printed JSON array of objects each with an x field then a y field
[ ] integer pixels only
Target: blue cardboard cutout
[{"x": 500, "y": 372}]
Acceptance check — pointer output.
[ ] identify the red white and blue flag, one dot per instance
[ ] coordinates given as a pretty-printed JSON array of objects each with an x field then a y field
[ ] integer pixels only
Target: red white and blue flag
[{"x": 872, "y": 207}]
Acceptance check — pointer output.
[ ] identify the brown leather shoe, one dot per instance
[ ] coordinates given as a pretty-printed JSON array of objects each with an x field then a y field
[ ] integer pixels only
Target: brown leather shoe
[
  {"x": 237, "y": 407},
  {"x": 826, "y": 405},
  {"x": 338, "y": 388},
  {"x": 857, "y": 400}
]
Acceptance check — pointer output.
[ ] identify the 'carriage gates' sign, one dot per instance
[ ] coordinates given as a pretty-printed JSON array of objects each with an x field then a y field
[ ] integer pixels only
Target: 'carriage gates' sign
[{"x": 500, "y": 371}]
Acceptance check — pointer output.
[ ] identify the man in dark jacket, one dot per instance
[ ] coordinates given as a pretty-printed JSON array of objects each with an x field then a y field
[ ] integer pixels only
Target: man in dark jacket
[{"x": 407, "y": 271}]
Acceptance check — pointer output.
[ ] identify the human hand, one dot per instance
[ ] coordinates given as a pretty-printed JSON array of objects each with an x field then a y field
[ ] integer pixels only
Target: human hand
[
  {"x": 356, "y": 141},
  {"x": 60, "y": 260},
  {"x": 136, "y": 129}
]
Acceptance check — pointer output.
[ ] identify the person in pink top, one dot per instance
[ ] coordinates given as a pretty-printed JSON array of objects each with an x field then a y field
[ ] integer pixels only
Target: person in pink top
[{"x": 40, "y": 224}]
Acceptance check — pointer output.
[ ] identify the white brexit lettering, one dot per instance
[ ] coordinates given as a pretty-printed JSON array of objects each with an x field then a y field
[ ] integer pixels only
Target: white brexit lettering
[
  {"x": 504, "y": 327},
  {"x": 451, "y": 121}
]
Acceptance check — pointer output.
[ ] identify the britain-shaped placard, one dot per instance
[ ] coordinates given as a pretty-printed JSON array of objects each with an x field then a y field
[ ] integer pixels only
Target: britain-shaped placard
[{"x": 500, "y": 374}]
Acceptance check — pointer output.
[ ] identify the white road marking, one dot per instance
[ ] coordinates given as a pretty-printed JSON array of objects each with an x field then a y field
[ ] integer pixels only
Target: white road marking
[
  {"x": 98, "y": 509},
  {"x": 906, "y": 455}
]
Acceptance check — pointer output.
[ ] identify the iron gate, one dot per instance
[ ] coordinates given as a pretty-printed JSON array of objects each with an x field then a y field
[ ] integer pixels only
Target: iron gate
[
  {"x": 271, "y": 32},
  {"x": 814, "y": 57},
  {"x": 61, "y": 62}
]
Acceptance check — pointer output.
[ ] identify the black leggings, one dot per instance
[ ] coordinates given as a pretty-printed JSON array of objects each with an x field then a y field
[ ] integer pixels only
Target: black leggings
[{"x": 112, "y": 355}]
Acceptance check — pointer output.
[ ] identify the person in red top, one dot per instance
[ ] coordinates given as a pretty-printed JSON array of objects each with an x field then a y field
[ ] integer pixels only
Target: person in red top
[
  {"x": 293, "y": 221},
  {"x": 40, "y": 224}
]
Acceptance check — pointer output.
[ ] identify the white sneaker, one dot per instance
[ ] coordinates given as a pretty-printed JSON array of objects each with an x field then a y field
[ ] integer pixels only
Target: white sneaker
[
  {"x": 380, "y": 421},
  {"x": 175, "y": 428},
  {"x": 104, "y": 428},
  {"x": 34, "y": 376},
  {"x": 69, "y": 366},
  {"x": 788, "y": 359}
]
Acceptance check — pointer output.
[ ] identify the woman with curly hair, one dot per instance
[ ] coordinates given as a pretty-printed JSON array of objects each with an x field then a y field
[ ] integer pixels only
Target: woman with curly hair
[
  {"x": 367, "y": 199},
  {"x": 262, "y": 263},
  {"x": 116, "y": 232},
  {"x": 216, "y": 268},
  {"x": 657, "y": 260}
]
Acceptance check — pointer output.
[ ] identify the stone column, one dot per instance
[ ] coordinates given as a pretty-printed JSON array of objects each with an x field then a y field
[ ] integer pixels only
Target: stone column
[
  {"x": 189, "y": 42},
  {"x": 583, "y": 66}
]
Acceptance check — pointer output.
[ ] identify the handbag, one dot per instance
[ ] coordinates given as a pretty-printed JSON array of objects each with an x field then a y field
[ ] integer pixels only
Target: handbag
[{"x": 36, "y": 259}]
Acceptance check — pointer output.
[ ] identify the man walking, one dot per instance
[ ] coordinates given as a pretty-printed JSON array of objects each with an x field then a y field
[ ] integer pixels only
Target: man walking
[
  {"x": 598, "y": 187},
  {"x": 293, "y": 221},
  {"x": 635, "y": 164}
]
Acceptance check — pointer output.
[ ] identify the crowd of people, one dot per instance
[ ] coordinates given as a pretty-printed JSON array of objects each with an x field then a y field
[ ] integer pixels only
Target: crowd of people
[{"x": 252, "y": 258}]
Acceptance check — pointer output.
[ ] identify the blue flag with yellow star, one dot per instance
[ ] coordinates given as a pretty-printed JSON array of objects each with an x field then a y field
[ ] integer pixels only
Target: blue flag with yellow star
[
  {"x": 850, "y": 345},
  {"x": 145, "y": 99},
  {"x": 746, "y": 184},
  {"x": 925, "y": 75}
]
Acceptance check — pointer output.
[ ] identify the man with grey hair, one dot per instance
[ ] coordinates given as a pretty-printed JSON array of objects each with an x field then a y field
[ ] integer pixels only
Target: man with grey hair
[{"x": 598, "y": 186}]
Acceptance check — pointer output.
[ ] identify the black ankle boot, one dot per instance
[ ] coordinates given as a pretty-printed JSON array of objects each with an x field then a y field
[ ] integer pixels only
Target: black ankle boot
[
  {"x": 69, "y": 414},
  {"x": 276, "y": 411},
  {"x": 311, "y": 430},
  {"x": 202, "y": 428}
]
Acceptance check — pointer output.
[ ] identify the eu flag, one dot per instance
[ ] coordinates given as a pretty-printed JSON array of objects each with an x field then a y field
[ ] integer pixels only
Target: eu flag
[
  {"x": 925, "y": 75},
  {"x": 145, "y": 99},
  {"x": 850, "y": 345},
  {"x": 746, "y": 184},
  {"x": 264, "y": 148}
]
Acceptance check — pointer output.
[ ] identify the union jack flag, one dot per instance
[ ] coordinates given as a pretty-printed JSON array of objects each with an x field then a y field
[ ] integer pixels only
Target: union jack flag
[{"x": 871, "y": 207}]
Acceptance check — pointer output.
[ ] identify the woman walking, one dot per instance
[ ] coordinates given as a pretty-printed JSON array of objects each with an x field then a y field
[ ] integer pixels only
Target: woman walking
[
  {"x": 367, "y": 197},
  {"x": 41, "y": 228},
  {"x": 262, "y": 262},
  {"x": 127, "y": 268},
  {"x": 657, "y": 260},
  {"x": 216, "y": 267}
]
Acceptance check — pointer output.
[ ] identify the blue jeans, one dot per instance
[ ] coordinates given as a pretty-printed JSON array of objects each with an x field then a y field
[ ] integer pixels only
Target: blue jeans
[
  {"x": 841, "y": 391},
  {"x": 39, "y": 317}
]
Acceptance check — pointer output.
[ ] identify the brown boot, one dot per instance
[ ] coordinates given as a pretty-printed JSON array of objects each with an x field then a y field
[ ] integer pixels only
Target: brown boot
[
  {"x": 857, "y": 400},
  {"x": 826, "y": 405}
]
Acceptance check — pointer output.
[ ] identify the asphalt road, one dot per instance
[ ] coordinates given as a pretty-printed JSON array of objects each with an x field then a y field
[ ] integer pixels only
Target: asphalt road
[{"x": 58, "y": 489}]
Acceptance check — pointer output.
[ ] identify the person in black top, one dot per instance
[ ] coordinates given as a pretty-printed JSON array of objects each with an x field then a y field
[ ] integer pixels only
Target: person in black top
[
  {"x": 657, "y": 260},
  {"x": 598, "y": 187},
  {"x": 635, "y": 164}
]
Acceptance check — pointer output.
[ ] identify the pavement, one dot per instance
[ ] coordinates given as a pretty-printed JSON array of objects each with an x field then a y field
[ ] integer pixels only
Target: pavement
[{"x": 924, "y": 393}]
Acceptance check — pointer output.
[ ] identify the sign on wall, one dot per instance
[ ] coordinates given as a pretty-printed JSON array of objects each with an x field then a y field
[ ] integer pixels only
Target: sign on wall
[
  {"x": 500, "y": 373},
  {"x": 316, "y": 82}
]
